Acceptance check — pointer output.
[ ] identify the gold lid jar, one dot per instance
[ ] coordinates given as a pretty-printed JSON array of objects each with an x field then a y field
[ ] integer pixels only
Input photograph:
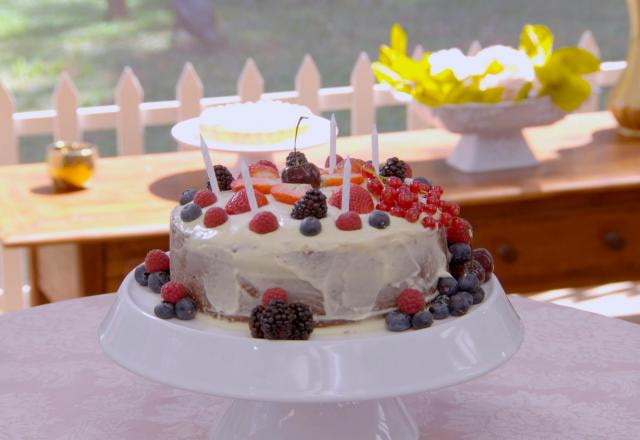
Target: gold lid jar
[{"x": 71, "y": 164}]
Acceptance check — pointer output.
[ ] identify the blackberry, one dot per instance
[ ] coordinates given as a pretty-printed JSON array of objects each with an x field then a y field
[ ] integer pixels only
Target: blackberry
[
  {"x": 223, "y": 176},
  {"x": 394, "y": 167},
  {"x": 296, "y": 158},
  {"x": 303, "y": 321},
  {"x": 254, "y": 322},
  {"x": 314, "y": 203},
  {"x": 276, "y": 321}
]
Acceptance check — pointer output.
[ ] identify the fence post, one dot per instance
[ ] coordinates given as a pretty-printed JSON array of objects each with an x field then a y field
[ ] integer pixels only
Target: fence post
[
  {"x": 65, "y": 102},
  {"x": 189, "y": 92},
  {"x": 308, "y": 83},
  {"x": 588, "y": 42},
  {"x": 362, "y": 105},
  {"x": 129, "y": 126},
  {"x": 8, "y": 140},
  {"x": 250, "y": 82}
]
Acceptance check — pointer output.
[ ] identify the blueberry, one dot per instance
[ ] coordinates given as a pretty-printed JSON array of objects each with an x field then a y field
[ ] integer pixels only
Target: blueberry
[
  {"x": 459, "y": 304},
  {"x": 157, "y": 280},
  {"x": 310, "y": 226},
  {"x": 468, "y": 296},
  {"x": 439, "y": 310},
  {"x": 460, "y": 253},
  {"x": 424, "y": 180},
  {"x": 141, "y": 276},
  {"x": 422, "y": 319},
  {"x": 165, "y": 310},
  {"x": 443, "y": 299},
  {"x": 447, "y": 286},
  {"x": 186, "y": 309},
  {"x": 398, "y": 321},
  {"x": 190, "y": 212},
  {"x": 468, "y": 281},
  {"x": 187, "y": 196},
  {"x": 478, "y": 295},
  {"x": 379, "y": 219}
]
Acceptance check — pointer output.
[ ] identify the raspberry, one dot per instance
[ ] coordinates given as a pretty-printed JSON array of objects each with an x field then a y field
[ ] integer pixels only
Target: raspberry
[
  {"x": 204, "y": 198},
  {"x": 264, "y": 222},
  {"x": 410, "y": 301},
  {"x": 156, "y": 261},
  {"x": 359, "y": 199},
  {"x": 274, "y": 293},
  {"x": 459, "y": 231},
  {"x": 215, "y": 217},
  {"x": 349, "y": 221},
  {"x": 452, "y": 208},
  {"x": 173, "y": 291},
  {"x": 429, "y": 222}
]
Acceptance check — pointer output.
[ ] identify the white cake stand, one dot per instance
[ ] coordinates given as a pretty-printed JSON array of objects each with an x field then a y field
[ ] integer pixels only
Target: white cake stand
[{"x": 342, "y": 384}]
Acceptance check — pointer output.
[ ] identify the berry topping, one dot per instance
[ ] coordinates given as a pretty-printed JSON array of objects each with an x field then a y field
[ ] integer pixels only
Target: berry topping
[
  {"x": 303, "y": 173},
  {"x": 397, "y": 321},
  {"x": 477, "y": 294},
  {"x": 186, "y": 309},
  {"x": 157, "y": 280},
  {"x": 223, "y": 176},
  {"x": 379, "y": 219},
  {"x": 405, "y": 199},
  {"x": 483, "y": 256},
  {"x": 276, "y": 321},
  {"x": 394, "y": 182},
  {"x": 254, "y": 322},
  {"x": 415, "y": 186},
  {"x": 475, "y": 268},
  {"x": 165, "y": 310},
  {"x": 336, "y": 179},
  {"x": 359, "y": 199},
  {"x": 314, "y": 203},
  {"x": 204, "y": 198},
  {"x": 289, "y": 193},
  {"x": 430, "y": 209},
  {"x": 439, "y": 310},
  {"x": 296, "y": 158},
  {"x": 429, "y": 223},
  {"x": 262, "y": 184},
  {"x": 389, "y": 195},
  {"x": 264, "y": 222},
  {"x": 375, "y": 186},
  {"x": 459, "y": 231},
  {"x": 452, "y": 208},
  {"x": 447, "y": 286},
  {"x": 445, "y": 219},
  {"x": 349, "y": 221},
  {"x": 190, "y": 212},
  {"x": 468, "y": 297},
  {"x": 468, "y": 281},
  {"x": 303, "y": 324},
  {"x": 382, "y": 206},
  {"x": 264, "y": 170},
  {"x": 239, "y": 202},
  {"x": 408, "y": 170},
  {"x": 424, "y": 180},
  {"x": 394, "y": 167},
  {"x": 460, "y": 253},
  {"x": 412, "y": 215},
  {"x": 273, "y": 294},
  {"x": 173, "y": 292},
  {"x": 215, "y": 217},
  {"x": 156, "y": 261},
  {"x": 338, "y": 160},
  {"x": 422, "y": 319},
  {"x": 437, "y": 190},
  {"x": 141, "y": 275},
  {"x": 397, "y": 211},
  {"x": 187, "y": 196},
  {"x": 310, "y": 226},
  {"x": 459, "y": 304},
  {"x": 410, "y": 301}
]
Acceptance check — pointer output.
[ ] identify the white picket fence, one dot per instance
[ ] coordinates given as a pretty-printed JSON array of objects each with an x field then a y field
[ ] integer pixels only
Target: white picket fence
[{"x": 130, "y": 114}]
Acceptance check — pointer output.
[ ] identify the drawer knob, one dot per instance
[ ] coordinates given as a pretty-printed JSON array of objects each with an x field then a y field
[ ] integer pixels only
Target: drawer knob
[
  {"x": 615, "y": 241},
  {"x": 507, "y": 252}
]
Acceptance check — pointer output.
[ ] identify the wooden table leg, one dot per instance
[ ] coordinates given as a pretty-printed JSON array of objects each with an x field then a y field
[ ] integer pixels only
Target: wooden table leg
[{"x": 13, "y": 274}]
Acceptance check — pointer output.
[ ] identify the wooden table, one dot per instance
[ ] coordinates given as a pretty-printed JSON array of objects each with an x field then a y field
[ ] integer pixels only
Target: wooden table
[{"x": 572, "y": 221}]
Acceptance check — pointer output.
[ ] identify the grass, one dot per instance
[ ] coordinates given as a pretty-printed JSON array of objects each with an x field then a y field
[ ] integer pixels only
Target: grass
[{"x": 41, "y": 38}]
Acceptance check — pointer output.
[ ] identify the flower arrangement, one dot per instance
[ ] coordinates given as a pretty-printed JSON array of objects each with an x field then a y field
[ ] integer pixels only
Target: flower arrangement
[{"x": 495, "y": 74}]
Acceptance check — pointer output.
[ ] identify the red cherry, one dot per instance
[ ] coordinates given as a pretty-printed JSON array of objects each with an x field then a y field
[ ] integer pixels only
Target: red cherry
[
  {"x": 429, "y": 222},
  {"x": 394, "y": 182},
  {"x": 430, "y": 208},
  {"x": 375, "y": 186},
  {"x": 415, "y": 186},
  {"x": 383, "y": 207},
  {"x": 452, "y": 208},
  {"x": 405, "y": 199},
  {"x": 424, "y": 188},
  {"x": 445, "y": 219},
  {"x": 433, "y": 200},
  {"x": 412, "y": 215},
  {"x": 438, "y": 190},
  {"x": 389, "y": 195},
  {"x": 397, "y": 211}
]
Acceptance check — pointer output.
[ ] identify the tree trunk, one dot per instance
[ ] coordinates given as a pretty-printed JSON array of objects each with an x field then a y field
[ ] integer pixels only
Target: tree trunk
[{"x": 117, "y": 9}]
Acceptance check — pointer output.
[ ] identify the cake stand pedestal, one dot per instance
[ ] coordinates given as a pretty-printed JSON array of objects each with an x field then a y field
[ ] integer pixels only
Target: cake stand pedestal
[{"x": 343, "y": 384}]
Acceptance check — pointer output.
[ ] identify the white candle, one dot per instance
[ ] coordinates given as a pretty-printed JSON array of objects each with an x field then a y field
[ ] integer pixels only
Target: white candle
[
  {"x": 211, "y": 174},
  {"x": 375, "y": 158},
  {"x": 248, "y": 186},
  {"x": 332, "y": 144},
  {"x": 346, "y": 184}
]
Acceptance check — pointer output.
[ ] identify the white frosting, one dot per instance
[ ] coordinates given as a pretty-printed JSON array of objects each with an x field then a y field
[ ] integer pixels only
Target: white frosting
[
  {"x": 344, "y": 272},
  {"x": 254, "y": 117}
]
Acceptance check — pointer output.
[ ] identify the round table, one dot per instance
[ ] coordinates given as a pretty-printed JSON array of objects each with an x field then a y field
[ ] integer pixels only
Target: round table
[{"x": 576, "y": 376}]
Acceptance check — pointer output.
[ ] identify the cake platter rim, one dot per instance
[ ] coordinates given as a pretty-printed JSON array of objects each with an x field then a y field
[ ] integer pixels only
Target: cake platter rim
[{"x": 379, "y": 365}]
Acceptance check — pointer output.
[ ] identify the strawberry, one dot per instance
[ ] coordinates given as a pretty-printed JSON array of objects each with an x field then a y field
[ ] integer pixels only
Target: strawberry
[
  {"x": 349, "y": 221},
  {"x": 336, "y": 179},
  {"x": 289, "y": 193},
  {"x": 261, "y": 169},
  {"x": 356, "y": 166},
  {"x": 262, "y": 184},
  {"x": 459, "y": 231},
  {"x": 264, "y": 222},
  {"x": 239, "y": 202},
  {"x": 359, "y": 200},
  {"x": 268, "y": 163},
  {"x": 338, "y": 160},
  {"x": 156, "y": 261}
]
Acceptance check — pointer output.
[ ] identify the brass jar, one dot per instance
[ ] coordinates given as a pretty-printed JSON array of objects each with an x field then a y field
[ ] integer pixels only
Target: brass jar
[{"x": 71, "y": 164}]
